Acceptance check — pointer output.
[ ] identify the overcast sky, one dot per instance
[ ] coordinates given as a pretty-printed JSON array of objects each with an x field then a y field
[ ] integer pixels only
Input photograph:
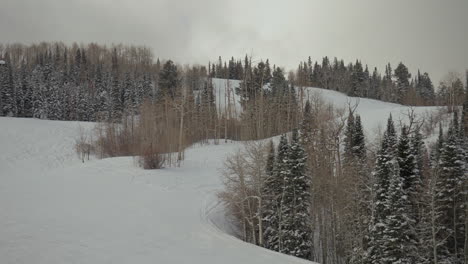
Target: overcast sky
[{"x": 428, "y": 34}]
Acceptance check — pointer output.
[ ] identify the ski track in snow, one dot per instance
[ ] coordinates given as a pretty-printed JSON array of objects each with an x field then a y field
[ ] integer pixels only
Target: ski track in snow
[{"x": 55, "y": 209}]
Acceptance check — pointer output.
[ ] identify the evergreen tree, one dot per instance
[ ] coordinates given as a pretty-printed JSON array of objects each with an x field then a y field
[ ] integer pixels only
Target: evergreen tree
[
  {"x": 169, "y": 80},
  {"x": 296, "y": 226},
  {"x": 375, "y": 85},
  {"x": 270, "y": 165},
  {"x": 27, "y": 93},
  {"x": 437, "y": 147},
  {"x": 402, "y": 76},
  {"x": 307, "y": 125},
  {"x": 358, "y": 141},
  {"x": 116, "y": 103},
  {"x": 407, "y": 164},
  {"x": 424, "y": 87},
  {"x": 392, "y": 136},
  {"x": 274, "y": 193},
  {"x": 383, "y": 172},
  {"x": 360, "y": 198},
  {"x": 267, "y": 71},
  {"x": 7, "y": 89},
  {"x": 147, "y": 88},
  {"x": 348, "y": 141},
  {"x": 411, "y": 184},
  {"x": 451, "y": 199},
  {"x": 129, "y": 99},
  {"x": 398, "y": 244},
  {"x": 102, "y": 94},
  {"x": 418, "y": 147},
  {"x": 357, "y": 80}
]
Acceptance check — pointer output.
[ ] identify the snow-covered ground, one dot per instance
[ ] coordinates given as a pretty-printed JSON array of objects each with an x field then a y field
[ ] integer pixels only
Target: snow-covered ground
[
  {"x": 374, "y": 113},
  {"x": 55, "y": 209}
]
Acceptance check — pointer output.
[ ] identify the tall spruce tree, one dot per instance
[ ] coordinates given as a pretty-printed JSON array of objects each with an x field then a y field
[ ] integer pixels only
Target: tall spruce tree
[
  {"x": 296, "y": 226},
  {"x": 407, "y": 163},
  {"x": 348, "y": 140},
  {"x": 169, "y": 80},
  {"x": 274, "y": 193},
  {"x": 398, "y": 244},
  {"x": 358, "y": 141},
  {"x": 402, "y": 76},
  {"x": 270, "y": 164},
  {"x": 383, "y": 171},
  {"x": 451, "y": 199}
]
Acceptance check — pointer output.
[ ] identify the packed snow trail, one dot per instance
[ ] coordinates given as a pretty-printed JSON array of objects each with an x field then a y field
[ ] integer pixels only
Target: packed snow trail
[{"x": 55, "y": 209}]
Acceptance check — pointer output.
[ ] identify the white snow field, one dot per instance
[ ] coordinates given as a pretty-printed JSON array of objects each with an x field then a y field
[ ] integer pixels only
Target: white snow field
[{"x": 55, "y": 209}]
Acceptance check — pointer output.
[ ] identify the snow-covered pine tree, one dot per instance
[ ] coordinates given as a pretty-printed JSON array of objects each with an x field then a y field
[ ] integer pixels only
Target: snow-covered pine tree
[
  {"x": 169, "y": 81},
  {"x": 274, "y": 193},
  {"x": 296, "y": 227},
  {"x": 361, "y": 196},
  {"x": 411, "y": 186},
  {"x": 358, "y": 141},
  {"x": 138, "y": 92},
  {"x": 383, "y": 170},
  {"x": 348, "y": 140},
  {"x": 26, "y": 92},
  {"x": 147, "y": 88},
  {"x": 437, "y": 148},
  {"x": 421, "y": 176},
  {"x": 270, "y": 164},
  {"x": 398, "y": 244},
  {"x": 402, "y": 76},
  {"x": 307, "y": 126},
  {"x": 19, "y": 96},
  {"x": 100, "y": 101},
  {"x": 55, "y": 107},
  {"x": 451, "y": 199},
  {"x": 128, "y": 94},
  {"x": 464, "y": 120},
  {"x": 425, "y": 88},
  {"x": 357, "y": 80},
  {"x": 267, "y": 74},
  {"x": 82, "y": 106},
  {"x": 419, "y": 150},
  {"x": 407, "y": 165},
  {"x": 116, "y": 103},
  {"x": 391, "y": 134},
  {"x": 375, "y": 85}
]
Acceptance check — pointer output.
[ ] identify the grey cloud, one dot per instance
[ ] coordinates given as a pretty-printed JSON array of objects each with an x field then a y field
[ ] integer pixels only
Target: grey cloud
[{"x": 426, "y": 34}]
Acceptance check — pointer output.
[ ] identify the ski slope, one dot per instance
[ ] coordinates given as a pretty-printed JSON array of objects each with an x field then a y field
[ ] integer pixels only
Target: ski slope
[{"x": 55, "y": 209}]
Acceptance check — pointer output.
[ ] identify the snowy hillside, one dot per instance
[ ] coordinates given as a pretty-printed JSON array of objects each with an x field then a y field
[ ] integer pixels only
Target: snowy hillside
[
  {"x": 226, "y": 97},
  {"x": 374, "y": 113},
  {"x": 55, "y": 209}
]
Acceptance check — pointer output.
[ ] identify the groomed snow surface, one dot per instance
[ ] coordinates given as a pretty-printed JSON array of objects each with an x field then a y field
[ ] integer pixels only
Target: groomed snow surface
[{"x": 55, "y": 209}]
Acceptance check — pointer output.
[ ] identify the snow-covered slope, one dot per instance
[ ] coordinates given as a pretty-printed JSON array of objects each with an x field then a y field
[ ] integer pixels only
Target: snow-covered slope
[
  {"x": 226, "y": 98},
  {"x": 55, "y": 209},
  {"x": 374, "y": 113}
]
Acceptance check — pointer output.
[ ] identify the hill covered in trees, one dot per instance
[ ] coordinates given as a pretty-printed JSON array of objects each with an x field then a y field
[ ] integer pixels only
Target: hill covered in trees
[{"x": 94, "y": 82}]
